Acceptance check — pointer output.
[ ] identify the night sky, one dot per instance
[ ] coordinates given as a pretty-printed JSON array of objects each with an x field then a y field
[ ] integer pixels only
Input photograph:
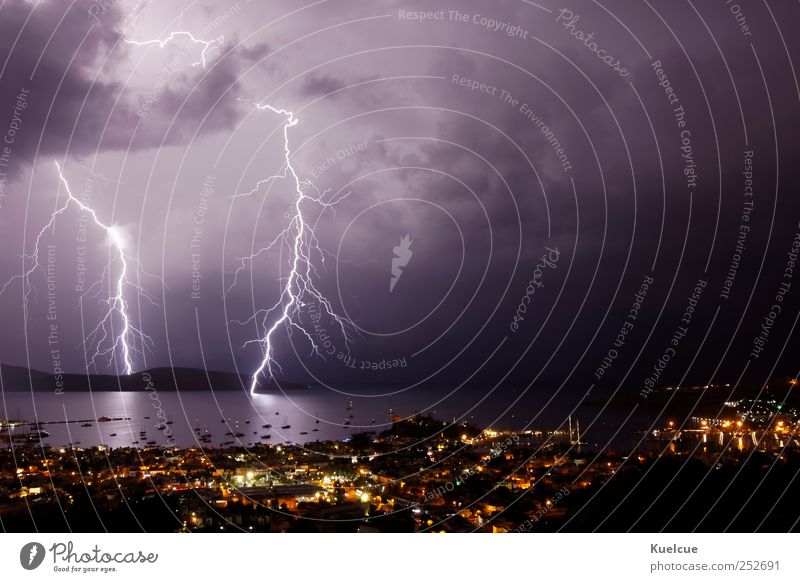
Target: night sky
[{"x": 587, "y": 189}]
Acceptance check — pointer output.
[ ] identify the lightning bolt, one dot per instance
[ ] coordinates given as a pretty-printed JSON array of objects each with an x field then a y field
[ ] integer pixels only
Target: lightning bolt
[
  {"x": 207, "y": 44},
  {"x": 299, "y": 238},
  {"x": 102, "y": 337},
  {"x": 106, "y": 344}
]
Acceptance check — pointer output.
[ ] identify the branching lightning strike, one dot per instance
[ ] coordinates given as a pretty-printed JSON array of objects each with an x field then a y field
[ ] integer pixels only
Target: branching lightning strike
[
  {"x": 125, "y": 341},
  {"x": 207, "y": 44},
  {"x": 299, "y": 289},
  {"x": 298, "y": 236}
]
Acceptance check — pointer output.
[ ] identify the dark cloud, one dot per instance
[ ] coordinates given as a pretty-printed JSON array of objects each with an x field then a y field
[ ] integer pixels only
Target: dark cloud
[
  {"x": 624, "y": 220},
  {"x": 65, "y": 60},
  {"x": 317, "y": 85}
]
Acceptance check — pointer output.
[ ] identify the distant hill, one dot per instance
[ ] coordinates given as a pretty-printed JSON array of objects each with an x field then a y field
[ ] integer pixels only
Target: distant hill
[
  {"x": 20, "y": 379},
  {"x": 704, "y": 401}
]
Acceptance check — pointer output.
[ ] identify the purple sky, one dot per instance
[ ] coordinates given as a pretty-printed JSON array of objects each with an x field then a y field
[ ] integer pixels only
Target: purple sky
[{"x": 487, "y": 135}]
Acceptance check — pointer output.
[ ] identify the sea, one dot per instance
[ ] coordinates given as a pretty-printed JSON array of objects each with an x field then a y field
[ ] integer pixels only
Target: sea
[{"x": 229, "y": 419}]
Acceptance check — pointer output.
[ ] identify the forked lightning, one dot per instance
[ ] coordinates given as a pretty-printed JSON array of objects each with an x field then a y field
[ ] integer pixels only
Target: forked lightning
[
  {"x": 130, "y": 338},
  {"x": 298, "y": 236}
]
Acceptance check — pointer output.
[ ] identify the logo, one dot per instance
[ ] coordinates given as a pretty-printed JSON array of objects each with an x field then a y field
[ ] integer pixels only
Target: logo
[
  {"x": 31, "y": 555},
  {"x": 402, "y": 257}
]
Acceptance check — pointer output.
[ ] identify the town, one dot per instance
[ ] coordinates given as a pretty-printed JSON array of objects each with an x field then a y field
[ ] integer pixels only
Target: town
[{"x": 422, "y": 475}]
